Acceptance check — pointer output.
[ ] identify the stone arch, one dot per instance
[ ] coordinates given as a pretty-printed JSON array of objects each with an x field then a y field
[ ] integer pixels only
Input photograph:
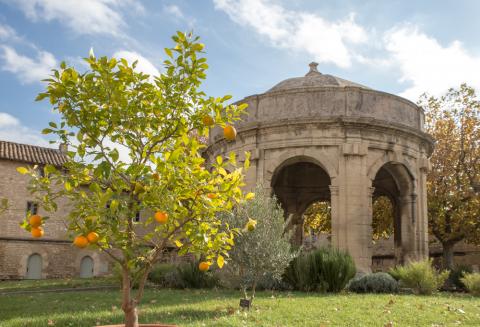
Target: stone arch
[
  {"x": 396, "y": 181},
  {"x": 297, "y": 182},
  {"x": 389, "y": 158},
  {"x": 290, "y": 156}
]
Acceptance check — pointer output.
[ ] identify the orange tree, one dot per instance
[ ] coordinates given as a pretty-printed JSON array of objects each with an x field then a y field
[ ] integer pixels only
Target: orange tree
[
  {"x": 454, "y": 180},
  {"x": 134, "y": 147}
]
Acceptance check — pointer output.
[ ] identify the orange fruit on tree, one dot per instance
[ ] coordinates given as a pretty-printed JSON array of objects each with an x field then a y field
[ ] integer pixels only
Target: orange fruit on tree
[
  {"x": 92, "y": 237},
  {"x": 35, "y": 221},
  {"x": 207, "y": 120},
  {"x": 161, "y": 217},
  {"x": 156, "y": 176},
  {"x": 80, "y": 241},
  {"x": 203, "y": 266},
  {"x": 230, "y": 133},
  {"x": 37, "y": 232},
  {"x": 211, "y": 195}
]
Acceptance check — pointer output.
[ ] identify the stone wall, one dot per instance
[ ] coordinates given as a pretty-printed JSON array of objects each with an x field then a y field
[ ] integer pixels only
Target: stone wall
[{"x": 59, "y": 257}]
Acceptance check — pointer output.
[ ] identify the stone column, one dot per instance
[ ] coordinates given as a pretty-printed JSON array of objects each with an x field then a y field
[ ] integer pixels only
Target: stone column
[
  {"x": 334, "y": 213},
  {"x": 355, "y": 200},
  {"x": 408, "y": 209}
]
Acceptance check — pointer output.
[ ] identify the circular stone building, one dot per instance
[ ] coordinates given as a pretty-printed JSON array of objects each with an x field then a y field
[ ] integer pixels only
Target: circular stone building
[{"x": 322, "y": 138}]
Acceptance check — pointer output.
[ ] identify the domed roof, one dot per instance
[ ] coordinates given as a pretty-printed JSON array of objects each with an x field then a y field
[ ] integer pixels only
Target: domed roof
[{"x": 313, "y": 79}]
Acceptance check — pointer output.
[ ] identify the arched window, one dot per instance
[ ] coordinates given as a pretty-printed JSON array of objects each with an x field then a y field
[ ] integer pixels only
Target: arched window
[
  {"x": 34, "y": 267},
  {"x": 86, "y": 267}
]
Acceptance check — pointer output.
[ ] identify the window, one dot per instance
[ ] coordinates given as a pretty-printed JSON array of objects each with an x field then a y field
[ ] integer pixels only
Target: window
[{"x": 32, "y": 208}]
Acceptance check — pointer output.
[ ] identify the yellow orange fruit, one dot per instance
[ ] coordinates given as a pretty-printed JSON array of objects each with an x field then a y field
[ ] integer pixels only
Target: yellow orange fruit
[
  {"x": 92, "y": 237},
  {"x": 203, "y": 266},
  {"x": 161, "y": 217},
  {"x": 208, "y": 121},
  {"x": 230, "y": 133},
  {"x": 211, "y": 195},
  {"x": 37, "y": 232},
  {"x": 80, "y": 241},
  {"x": 156, "y": 176},
  {"x": 35, "y": 221}
]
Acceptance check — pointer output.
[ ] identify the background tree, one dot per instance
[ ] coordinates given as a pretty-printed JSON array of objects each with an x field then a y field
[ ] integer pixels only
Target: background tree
[
  {"x": 134, "y": 147},
  {"x": 317, "y": 218},
  {"x": 262, "y": 249},
  {"x": 453, "y": 183}
]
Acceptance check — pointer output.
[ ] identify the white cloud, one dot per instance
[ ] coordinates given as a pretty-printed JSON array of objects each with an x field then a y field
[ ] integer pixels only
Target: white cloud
[
  {"x": 83, "y": 17},
  {"x": 427, "y": 65},
  {"x": 175, "y": 11},
  {"x": 6, "y": 32},
  {"x": 28, "y": 70},
  {"x": 143, "y": 65},
  {"x": 12, "y": 130},
  {"x": 326, "y": 40}
]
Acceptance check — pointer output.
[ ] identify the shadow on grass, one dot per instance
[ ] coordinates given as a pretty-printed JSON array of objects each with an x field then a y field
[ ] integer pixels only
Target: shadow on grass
[{"x": 179, "y": 317}]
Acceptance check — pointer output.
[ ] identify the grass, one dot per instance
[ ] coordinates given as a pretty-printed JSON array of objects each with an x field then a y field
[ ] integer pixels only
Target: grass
[
  {"x": 51, "y": 284},
  {"x": 220, "y": 308}
]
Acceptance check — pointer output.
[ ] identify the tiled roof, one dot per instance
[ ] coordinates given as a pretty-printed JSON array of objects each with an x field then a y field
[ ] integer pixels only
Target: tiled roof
[{"x": 31, "y": 154}]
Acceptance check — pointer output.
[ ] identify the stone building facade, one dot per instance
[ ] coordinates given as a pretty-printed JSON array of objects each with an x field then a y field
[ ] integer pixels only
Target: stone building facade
[
  {"x": 320, "y": 137},
  {"x": 53, "y": 255}
]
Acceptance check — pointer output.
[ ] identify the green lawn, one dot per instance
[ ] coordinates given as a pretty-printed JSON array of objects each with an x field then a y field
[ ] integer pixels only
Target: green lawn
[
  {"x": 220, "y": 308},
  {"x": 44, "y": 284}
]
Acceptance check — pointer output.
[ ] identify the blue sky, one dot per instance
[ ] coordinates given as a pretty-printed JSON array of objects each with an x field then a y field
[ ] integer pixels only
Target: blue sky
[{"x": 401, "y": 47}]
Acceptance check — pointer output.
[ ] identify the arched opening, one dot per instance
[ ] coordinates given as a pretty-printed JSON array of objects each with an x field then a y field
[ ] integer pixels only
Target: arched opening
[
  {"x": 392, "y": 210},
  {"x": 298, "y": 183},
  {"x": 317, "y": 225},
  {"x": 34, "y": 267},
  {"x": 86, "y": 267}
]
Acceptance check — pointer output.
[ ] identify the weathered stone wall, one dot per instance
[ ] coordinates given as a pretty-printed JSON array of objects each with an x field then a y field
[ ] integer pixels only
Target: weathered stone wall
[{"x": 60, "y": 258}]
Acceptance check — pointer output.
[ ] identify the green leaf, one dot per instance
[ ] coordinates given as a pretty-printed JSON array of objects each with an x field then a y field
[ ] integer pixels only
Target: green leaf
[
  {"x": 219, "y": 160},
  {"x": 168, "y": 52},
  {"x": 68, "y": 186},
  {"x": 22, "y": 170},
  {"x": 41, "y": 96},
  {"x": 46, "y": 131}
]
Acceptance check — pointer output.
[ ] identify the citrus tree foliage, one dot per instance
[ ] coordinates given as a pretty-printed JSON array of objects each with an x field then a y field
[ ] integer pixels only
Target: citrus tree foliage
[
  {"x": 317, "y": 218},
  {"x": 134, "y": 146},
  {"x": 453, "y": 183},
  {"x": 264, "y": 249}
]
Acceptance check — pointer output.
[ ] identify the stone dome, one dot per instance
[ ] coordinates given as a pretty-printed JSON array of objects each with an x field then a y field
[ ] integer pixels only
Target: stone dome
[{"x": 313, "y": 79}]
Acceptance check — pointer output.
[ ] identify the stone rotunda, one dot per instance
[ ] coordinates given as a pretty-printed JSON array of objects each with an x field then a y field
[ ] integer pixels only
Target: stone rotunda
[{"x": 322, "y": 138}]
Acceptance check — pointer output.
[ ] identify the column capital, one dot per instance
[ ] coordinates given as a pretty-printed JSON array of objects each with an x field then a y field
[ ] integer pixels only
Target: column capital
[{"x": 333, "y": 190}]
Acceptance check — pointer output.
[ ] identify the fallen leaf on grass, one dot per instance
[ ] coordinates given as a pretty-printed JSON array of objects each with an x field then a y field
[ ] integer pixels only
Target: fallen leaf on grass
[
  {"x": 51, "y": 322},
  {"x": 388, "y": 324}
]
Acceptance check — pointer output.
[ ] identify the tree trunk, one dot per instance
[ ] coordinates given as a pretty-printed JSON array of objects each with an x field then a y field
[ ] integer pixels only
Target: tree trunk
[
  {"x": 131, "y": 317},
  {"x": 129, "y": 306},
  {"x": 448, "y": 255}
]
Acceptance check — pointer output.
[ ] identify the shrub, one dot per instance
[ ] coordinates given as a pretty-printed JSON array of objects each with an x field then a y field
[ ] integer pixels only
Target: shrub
[
  {"x": 159, "y": 273},
  {"x": 262, "y": 251},
  {"x": 374, "y": 283},
  {"x": 420, "y": 276},
  {"x": 188, "y": 275},
  {"x": 472, "y": 283},
  {"x": 455, "y": 277},
  {"x": 323, "y": 270}
]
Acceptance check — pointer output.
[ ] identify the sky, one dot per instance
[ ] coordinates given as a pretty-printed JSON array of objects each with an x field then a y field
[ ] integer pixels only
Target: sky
[{"x": 404, "y": 47}]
